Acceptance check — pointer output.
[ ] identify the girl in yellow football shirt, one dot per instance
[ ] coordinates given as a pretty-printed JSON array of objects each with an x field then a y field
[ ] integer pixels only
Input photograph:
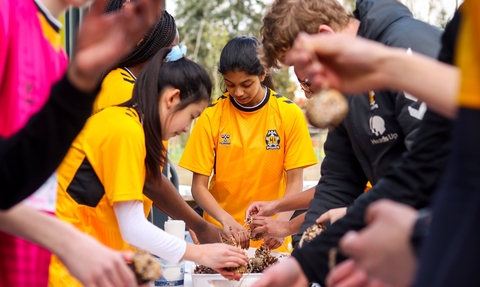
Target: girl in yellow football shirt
[
  {"x": 102, "y": 177},
  {"x": 118, "y": 84},
  {"x": 117, "y": 88},
  {"x": 254, "y": 141}
]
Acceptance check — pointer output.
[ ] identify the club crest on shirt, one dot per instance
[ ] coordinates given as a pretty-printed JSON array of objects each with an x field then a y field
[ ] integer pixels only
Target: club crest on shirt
[
  {"x": 225, "y": 139},
  {"x": 272, "y": 140}
]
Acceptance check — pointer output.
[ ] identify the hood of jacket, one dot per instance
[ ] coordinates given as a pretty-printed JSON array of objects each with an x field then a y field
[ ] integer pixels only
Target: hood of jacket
[{"x": 376, "y": 15}]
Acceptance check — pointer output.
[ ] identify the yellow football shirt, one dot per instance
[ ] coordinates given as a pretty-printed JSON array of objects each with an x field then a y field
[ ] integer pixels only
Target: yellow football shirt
[
  {"x": 248, "y": 151},
  {"x": 105, "y": 164},
  {"x": 117, "y": 88},
  {"x": 468, "y": 56}
]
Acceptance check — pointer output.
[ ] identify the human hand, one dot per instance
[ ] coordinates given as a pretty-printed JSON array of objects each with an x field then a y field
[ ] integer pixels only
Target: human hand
[
  {"x": 229, "y": 274},
  {"x": 382, "y": 249},
  {"x": 262, "y": 208},
  {"x": 342, "y": 62},
  {"x": 237, "y": 232},
  {"x": 287, "y": 273},
  {"x": 103, "y": 39},
  {"x": 219, "y": 256},
  {"x": 95, "y": 265},
  {"x": 210, "y": 234},
  {"x": 346, "y": 274},
  {"x": 273, "y": 242},
  {"x": 269, "y": 227},
  {"x": 332, "y": 215}
]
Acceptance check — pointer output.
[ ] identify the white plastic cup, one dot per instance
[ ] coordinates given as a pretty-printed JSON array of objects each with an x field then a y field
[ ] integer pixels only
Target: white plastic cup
[
  {"x": 175, "y": 228},
  {"x": 173, "y": 274}
]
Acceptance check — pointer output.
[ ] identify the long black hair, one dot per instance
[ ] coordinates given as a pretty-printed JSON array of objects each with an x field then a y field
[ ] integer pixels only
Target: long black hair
[
  {"x": 194, "y": 84},
  {"x": 241, "y": 54},
  {"x": 160, "y": 36}
]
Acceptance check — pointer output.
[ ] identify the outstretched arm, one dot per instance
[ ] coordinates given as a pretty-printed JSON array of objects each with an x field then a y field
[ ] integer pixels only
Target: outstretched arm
[
  {"x": 139, "y": 232},
  {"x": 29, "y": 157},
  {"x": 294, "y": 187},
  {"x": 166, "y": 198},
  {"x": 86, "y": 259},
  {"x": 206, "y": 200},
  {"x": 354, "y": 65},
  {"x": 292, "y": 202}
]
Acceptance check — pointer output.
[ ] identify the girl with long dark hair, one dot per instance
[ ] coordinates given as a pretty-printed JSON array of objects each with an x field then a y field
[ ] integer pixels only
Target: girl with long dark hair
[
  {"x": 254, "y": 141},
  {"x": 102, "y": 177}
]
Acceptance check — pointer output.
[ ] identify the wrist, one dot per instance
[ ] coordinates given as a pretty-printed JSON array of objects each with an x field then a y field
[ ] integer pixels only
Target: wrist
[
  {"x": 193, "y": 253},
  {"x": 198, "y": 225},
  {"x": 277, "y": 206},
  {"x": 284, "y": 216},
  {"x": 81, "y": 80},
  {"x": 63, "y": 246},
  {"x": 224, "y": 221},
  {"x": 388, "y": 62}
]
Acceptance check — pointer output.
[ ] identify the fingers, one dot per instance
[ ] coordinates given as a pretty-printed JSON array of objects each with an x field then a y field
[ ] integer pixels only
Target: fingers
[
  {"x": 323, "y": 218},
  {"x": 319, "y": 45},
  {"x": 194, "y": 236},
  {"x": 251, "y": 211},
  {"x": 223, "y": 236},
  {"x": 97, "y": 7},
  {"x": 345, "y": 274},
  {"x": 236, "y": 251},
  {"x": 264, "y": 281},
  {"x": 374, "y": 209},
  {"x": 244, "y": 239},
  {"x": 151, "y": 8},
  {"x": 228, "y": 274},
  {"x": 234, "y": 257},
  {"x": 350, "y": 243},
  {"x": 273, "y": 243},
  {"x": 236, "y": 237},
  {"x": 141, "y": 16},
  {"x": 261, "y": 231},
  {"x": 259, "y": 226},
  {"x": 340, "y": 272},
  {"x": 102, "y": 281},
  {"x": 127, "y": 255},
  {"x": 126, "y": 273}
]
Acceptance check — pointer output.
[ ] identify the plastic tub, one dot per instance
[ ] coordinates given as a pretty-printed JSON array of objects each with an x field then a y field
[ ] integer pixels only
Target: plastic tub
[{"x": 217, "y": 280}]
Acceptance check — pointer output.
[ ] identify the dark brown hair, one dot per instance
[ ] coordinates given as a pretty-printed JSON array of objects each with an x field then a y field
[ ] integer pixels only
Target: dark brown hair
[
  {"x": 241, "y": 54},
  {"x": 194, "y": 84},
  {"x": 285, "y": 19}
]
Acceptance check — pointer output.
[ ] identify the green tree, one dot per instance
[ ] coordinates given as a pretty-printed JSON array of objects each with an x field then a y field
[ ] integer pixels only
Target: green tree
[{"x": 205, "y": 26}]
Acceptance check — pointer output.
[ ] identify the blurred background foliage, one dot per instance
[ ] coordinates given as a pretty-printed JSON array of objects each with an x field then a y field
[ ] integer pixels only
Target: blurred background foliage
[{"x": 205, "y": 26}]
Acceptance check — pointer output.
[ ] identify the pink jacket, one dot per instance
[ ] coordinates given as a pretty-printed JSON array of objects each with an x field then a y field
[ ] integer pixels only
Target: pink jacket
[{"x": 26, "y": 74}]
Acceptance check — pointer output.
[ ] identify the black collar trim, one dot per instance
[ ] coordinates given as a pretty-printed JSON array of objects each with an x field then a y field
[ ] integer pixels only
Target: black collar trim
[
  {"x": 54, "y": 23},
  {"x": 249, "y": 110}
]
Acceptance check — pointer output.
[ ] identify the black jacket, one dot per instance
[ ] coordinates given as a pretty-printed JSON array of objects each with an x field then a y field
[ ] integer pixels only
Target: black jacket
[
  {"x": 28, "y": 158},
  {"x": 354, "y": 153}
]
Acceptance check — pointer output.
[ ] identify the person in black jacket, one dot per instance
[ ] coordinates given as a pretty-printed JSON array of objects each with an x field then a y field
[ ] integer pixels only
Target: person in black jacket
[
  {"x": 362, "y": 248},
  {"x": 381, "y": 125},
  {"x": 438, "y": 90}
]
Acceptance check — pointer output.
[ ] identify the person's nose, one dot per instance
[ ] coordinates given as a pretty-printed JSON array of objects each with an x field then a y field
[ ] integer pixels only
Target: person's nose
[{"x": 239, "y": 92}]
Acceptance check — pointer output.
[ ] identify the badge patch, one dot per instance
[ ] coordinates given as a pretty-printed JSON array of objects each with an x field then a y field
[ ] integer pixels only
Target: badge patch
[
  {"x": 272, "y": 140},
  {"x": 225, "y": 139}
]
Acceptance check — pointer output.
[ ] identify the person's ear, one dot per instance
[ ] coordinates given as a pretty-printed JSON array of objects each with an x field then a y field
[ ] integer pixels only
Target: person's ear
[
  {"x": 263, "y": 75},
  {"x": 171, "y": 97},
  {"x": 325, "y": 29}
]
